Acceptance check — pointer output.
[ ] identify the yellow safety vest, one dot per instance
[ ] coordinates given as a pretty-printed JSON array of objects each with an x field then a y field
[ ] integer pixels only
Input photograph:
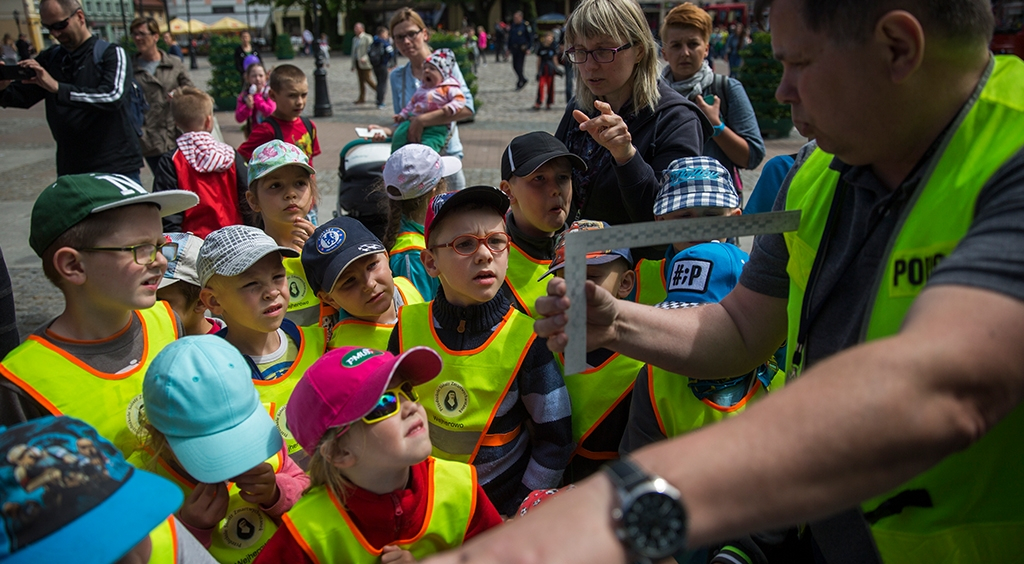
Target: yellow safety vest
[
  {"x": 244, "y": 529},
  {"x": 650, "y": 282},
  {"x": 275, "y": 393},
  {"x": 462, "y": 400},
  {"x": 523, "y": 276},
  {"x": 976, "y": 495},
  {"x": 408, "y": 241},
  {"x": 352, "y": 332},
  {"x": 303, "y": 305},
  {"x": 164, "y": 539},
  {"x": 64, "y": 385},
  {"x": 594, "y": 393},
  {"x": 679, "y": 411},
  {"x": 451, "y": 502}
]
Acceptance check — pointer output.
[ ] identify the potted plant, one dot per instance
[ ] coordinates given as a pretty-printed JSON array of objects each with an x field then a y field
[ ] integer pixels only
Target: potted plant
[
  {"x": 760, "y": 75},
  {"x": 225, "y": 83},
  {"x": 455, "y": 42}
]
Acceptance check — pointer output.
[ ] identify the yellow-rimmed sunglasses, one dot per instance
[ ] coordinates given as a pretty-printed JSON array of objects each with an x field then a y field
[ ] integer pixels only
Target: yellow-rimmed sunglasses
[{"x": 389, "y": 403}]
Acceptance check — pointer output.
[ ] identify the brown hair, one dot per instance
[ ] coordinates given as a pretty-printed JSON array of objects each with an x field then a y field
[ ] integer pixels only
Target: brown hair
[
  {"x": 322, "y": 472},
  {"x": 255, "y": 218},
  {"x": 688, "y": 15},
  {"x": 396, "y": 209},
  {"x": 150, "y": 24},
  {"x": 190, "y": 107},
  {"x": 285, "y": 75},
  {"x": 403, "y": 15}
]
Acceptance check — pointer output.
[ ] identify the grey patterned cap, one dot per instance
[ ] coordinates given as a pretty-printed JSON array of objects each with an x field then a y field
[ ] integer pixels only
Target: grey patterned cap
[
  {"x": 231, "y": 250},
  {"x": 695, "y": 182}
]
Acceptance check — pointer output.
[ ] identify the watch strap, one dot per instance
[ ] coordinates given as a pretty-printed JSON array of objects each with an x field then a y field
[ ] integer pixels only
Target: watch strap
[{"x": 625, "y": 474}]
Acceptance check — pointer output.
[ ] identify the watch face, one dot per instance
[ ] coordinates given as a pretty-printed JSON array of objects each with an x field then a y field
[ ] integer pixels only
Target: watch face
[{"x": 656, "y": 525}]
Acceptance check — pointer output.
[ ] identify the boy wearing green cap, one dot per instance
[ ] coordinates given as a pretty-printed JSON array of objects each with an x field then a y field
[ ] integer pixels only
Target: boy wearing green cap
[{"x": 102, "y": 245}]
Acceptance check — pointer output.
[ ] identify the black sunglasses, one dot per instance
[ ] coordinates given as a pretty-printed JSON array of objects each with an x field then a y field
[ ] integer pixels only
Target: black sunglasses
[{"x": 63, "y": 24}]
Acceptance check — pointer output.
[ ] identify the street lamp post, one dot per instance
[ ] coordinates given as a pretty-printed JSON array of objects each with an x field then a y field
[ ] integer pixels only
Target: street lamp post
[
  {"x": 17, "y": 21},
  {"x": 124, "y": 19},
  {"x": 191, "y": 44},
  {"x": 322, "y": 107}
]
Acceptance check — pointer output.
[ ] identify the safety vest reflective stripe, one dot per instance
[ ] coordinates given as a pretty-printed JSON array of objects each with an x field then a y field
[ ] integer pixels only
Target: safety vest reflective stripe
[
  {"x": 303, "y": 305},
  {"x": 462, "y": 401},
  {"x": 679, "y": 411},
  {"x": 595, "y": 392},
  {"x": 64, "y": 385},
  {"x": 164, "y": 539},
  {"x": 650, "y": 282},
  {"x": 275, "y": 393},
  {"x": 522, "y": 276},
  {"x": 451, "y": 501},
  {"x": 976, "y": 494},
  {"x": 408, "y": 241},
  {"x": 244, "y": 529},
  {"x": 352, "y": 332},
  {"x": 408, "y": 291}
]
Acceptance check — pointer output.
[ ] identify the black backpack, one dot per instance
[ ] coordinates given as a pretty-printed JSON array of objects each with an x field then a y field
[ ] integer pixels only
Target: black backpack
[
  {"x": 137, "y": 104},
  {"x": 377, "y": 53}
]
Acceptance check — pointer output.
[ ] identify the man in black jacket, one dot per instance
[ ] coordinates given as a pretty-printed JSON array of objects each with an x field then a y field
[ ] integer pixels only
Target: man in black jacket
[{"x": 87, "y": 104}]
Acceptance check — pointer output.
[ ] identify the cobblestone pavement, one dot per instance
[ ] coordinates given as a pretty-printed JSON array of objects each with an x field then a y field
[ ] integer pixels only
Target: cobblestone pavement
[{"x": 27, "y": 156}]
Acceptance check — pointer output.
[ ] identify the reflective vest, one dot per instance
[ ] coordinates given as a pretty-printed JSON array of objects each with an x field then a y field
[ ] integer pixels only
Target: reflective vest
[
  {"x": 244, "y": 529},
  {"x": 64, "y": 385},
  {"x": 462, "y": 400},
  {"x": 352, "y": 332},
  {"x": 679, "y": 411},
  {"x": 451, "y": 499},
  {"x": 408, "y": 241},
  {"x": 275, "y": 393},
  {"x": 218, "y": 192},
  {"x": 975, "y": 495},
  {"x": 303, "y": 305},
  {"x": 523, "y": 276},
  {"x": 594, "y": 393},
  {"x": 650, "y": 282},
  {"x": 164, "y": 539}
]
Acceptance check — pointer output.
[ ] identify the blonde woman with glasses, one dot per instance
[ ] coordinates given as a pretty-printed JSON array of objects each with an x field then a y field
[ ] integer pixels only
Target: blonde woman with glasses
[{"x": 623, "y": 123}]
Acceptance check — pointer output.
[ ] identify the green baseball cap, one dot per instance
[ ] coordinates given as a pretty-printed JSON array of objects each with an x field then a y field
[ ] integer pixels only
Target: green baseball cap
[{"x": 72, "y": 198}]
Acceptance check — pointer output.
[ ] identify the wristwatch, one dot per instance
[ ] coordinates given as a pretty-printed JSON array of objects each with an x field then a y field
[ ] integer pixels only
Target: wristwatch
[{"x": 650, "y": 520}]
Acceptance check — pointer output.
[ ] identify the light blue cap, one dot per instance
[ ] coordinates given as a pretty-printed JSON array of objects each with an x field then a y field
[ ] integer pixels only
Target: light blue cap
[
  {"x": 703, "y": 274},
  {"x": 199, "y": 393}
]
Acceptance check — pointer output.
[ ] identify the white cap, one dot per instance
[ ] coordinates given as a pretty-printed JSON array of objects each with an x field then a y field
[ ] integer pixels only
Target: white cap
[
  {"x": 184, "y": 267},
  {"x": 231, "y": 250},
  {"x": 415, "y": 169}
]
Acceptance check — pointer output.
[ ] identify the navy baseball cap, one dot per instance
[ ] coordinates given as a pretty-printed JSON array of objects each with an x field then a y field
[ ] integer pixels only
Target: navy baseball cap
[
  {"x": 530, "y": 151},
  {"x": 443, "y": 204},
  {"x": 695, "y": 182},
  {"x": 332, "y": 247},
  {"x": 703, "y": 274},
  {"x": 68, "y": 494},
  {"x": 593, "y": 257}
]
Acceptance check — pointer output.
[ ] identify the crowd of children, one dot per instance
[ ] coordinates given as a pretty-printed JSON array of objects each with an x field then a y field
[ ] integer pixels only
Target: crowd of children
[{"x": 301, "y": 391}]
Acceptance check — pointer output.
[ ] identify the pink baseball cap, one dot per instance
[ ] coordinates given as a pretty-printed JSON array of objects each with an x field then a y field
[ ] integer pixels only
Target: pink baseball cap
[{"x": 345, "y": 384}]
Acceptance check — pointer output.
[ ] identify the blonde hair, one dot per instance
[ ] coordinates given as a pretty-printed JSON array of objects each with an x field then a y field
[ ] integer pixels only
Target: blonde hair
[
  {"x": 403, "y": 15},
  {"x": 688, "y": 15},
  {"x": 322, "y": 472},
  {"x": 623, "y": 21},
  {"x": 190, "y": 107}
]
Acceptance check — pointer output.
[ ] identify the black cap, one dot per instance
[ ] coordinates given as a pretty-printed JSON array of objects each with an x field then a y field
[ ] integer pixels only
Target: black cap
[
  {"x": 332, "y": 247},
  {"x": 530, "y": 151}
]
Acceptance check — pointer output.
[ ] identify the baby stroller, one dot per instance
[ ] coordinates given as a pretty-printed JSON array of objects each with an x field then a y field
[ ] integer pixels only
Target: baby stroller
[{"x": 362, "y": 163}]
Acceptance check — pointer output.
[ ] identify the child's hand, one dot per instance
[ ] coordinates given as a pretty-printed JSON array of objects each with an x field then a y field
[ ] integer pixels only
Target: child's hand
[
  {"x": 398, "y": 118},
  {"x": 248, "y": 100},
  {"x": 205, "y": 506},
  {"x": 391, "y": 554},
  {"x": 303, "y": 229},
  {"x": 258, "y": 485}
]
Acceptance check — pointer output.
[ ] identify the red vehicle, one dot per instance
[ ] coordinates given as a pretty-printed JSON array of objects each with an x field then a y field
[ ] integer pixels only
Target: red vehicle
[
  {"x": 726, "y": 14},
  {"x": 1009, "y": 35}
]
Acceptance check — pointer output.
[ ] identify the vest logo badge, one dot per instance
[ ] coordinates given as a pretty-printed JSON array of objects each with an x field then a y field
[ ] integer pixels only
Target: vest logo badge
[
  {"x": 330, "y": 239},
  {"x": 133, "y": 415},
  {"x": 354, "y": 358},
  {"x": 296, "y": 289},
  {"x": 690, "y": 276},
  {"x": 243, "y": 527},
  {"x": 451, "y": 399},
  {"x": 282, "y": 423},
  {"x": 910, "y": 269}
]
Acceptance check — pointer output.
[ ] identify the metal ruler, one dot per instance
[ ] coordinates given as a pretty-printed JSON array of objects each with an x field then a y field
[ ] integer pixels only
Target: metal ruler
[{"x": 579, "y": 243}]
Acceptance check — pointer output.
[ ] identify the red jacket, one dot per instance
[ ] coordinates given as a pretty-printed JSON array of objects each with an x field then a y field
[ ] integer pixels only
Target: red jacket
[{"x": 382, "y": 519}]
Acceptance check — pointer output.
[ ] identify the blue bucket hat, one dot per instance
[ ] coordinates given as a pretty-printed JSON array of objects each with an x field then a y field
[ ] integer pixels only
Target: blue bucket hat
[
  {"x": 199, "y": 393},
  {"x": 68, "y": 494},
  {"x": 695, "y": 182},
  {"x": 702, "y": 274}
]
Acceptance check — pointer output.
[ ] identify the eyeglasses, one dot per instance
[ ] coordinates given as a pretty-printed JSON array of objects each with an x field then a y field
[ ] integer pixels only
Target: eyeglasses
[
  {"x": 579, "y": 56},
  {"x": 141, "y": 33},
  {"x": 389, "y": 403},
  {"x": 63, "y": 24},
  {"x": 408, "y": 36},
  {"x": 466, "y": 245},
  {"x": 145, "y": 251}
]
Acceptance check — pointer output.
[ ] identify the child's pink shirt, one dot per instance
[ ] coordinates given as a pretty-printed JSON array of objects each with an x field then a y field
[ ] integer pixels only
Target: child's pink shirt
[{"x": 447, "y": 96}]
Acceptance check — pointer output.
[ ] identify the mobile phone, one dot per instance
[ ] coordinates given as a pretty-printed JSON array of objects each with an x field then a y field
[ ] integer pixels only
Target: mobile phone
[
  {"x": 709, "y": 99},
  {"x": 15, "y": 72}
]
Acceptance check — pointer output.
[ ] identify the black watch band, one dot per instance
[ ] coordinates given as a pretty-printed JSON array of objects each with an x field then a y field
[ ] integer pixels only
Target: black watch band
[{"x": 625, "y": 474}]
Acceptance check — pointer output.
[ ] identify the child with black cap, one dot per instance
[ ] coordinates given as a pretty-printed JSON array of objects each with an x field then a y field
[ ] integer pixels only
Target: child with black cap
[
  {"x": 493, "y": 361},
  {"x": 536, "y": 175},
  {"x": 347, "y": 268}
]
